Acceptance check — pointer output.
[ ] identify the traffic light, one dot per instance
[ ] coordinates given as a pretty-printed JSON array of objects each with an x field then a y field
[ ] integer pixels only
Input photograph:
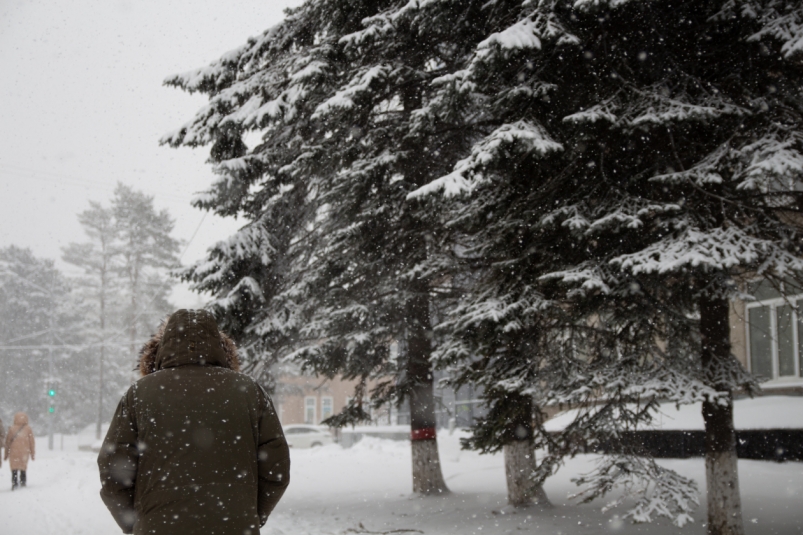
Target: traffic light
[{"x": 51, "y": 394}]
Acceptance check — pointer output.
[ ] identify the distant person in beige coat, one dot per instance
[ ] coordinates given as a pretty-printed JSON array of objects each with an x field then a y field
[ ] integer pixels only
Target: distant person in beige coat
[{"x": 19, "y": 446}]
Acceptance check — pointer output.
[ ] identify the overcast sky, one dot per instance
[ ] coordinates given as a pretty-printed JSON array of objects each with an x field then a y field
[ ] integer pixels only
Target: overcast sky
[{"x": 82, "y": 107}]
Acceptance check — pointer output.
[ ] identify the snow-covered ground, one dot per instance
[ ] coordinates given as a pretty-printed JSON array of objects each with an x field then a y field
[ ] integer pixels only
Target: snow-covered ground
[{"x": 367, "y": 489}]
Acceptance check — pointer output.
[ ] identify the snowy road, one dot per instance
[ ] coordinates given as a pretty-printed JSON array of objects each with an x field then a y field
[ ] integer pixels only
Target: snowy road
[{"x": 367, "y": 489}]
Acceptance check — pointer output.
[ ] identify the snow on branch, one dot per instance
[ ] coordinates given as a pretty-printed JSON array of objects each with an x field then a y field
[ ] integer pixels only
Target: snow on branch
[
  {"x": 716, "y": 249},
  {"x": 521, "y": 35},
  {"x": 310, "y": 71},
  {"x": 587, "y": 5},
  {"x": 587, "y": 277},
  {"x": 247, "y": 286},
  {"x": 507, "y": 310},
  {"x": 211, "y": 78},
  {"x": 528, "y": 33},
  {"x": 659, "y": 492},
  {"x": 371, "y": 166},
  {"x": 614, "y": 215},
  {"x": 384, "y": 23},
  {"x": 358, "y": 86},
  {"x": 522, "y": 136},
  {"x": 237, "y": 62},
  {"x": 772, "y": 164},
  {"x": 598, "y": 112},
  {"x": 706, "y": 171},
  {"x": 250, "y": 242},
  {"x": 656, "y": 108},
  {"x": 782, "y": 20}
]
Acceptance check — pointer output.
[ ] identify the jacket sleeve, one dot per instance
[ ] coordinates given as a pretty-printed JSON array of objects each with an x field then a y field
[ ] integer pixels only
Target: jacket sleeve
[
  {"x": 117, "y": 461},
  {"x": 273, "y": 459},
  {"x": 31, "y": 443}
]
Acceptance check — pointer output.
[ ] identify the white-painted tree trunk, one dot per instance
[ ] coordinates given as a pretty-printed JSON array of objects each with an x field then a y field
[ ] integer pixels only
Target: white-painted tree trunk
[
  {"x": 519, "y": 467},
  {"x": 721, "y": 469},
  {"x": 724, "y": 501},
  {"x": 427, "y": 474}
]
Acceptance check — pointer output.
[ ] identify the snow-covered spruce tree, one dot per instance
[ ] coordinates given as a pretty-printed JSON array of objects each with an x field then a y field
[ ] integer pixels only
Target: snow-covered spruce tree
[
  {"x": 635, "y": 162},
  {"x": 251, "y": 275},
  {"x": 341, "y": 94},
  {"x": 40, "y": 341}
]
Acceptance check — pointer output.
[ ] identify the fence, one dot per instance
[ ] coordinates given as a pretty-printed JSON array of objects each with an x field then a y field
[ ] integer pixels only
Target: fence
[{"x": 762, "y": 444}]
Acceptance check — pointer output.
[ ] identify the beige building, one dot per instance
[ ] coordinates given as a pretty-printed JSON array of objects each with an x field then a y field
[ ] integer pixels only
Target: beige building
[{"x": 304, "y": 399}]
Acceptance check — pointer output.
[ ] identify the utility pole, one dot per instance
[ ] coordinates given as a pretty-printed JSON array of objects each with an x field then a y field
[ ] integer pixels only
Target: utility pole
[
  {"x": 51, "y": 388},
  {"x": 51, "y": 391},
  {"x": 51, "y": 411},
  {"x": 102, "y": 349}
]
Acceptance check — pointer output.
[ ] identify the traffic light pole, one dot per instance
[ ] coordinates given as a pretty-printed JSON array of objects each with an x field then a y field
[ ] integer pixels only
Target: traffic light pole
[{"x": 51, "y": 389}]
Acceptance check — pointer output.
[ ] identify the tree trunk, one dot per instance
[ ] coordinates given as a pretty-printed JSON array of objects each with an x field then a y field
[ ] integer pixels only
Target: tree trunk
[
  {"x": 427, "y": 474},
  {"x": 722, "y": 477},
  {"x": 520, "y": 456}
]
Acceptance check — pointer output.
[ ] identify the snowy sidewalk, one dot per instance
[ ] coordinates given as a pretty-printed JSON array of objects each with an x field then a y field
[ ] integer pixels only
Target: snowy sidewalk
[{"x": 367, "y": 489}]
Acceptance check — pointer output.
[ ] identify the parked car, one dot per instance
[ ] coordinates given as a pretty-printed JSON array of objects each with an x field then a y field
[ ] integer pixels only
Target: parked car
[{"x": 307, "y": 436}]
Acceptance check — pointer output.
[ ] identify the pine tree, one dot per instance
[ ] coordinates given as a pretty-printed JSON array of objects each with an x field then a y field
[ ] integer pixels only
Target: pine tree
[
  {"x": 343, "y": 96},
  {"x": 634, "y": 164},
  {"x": 97, "y": 258},
  {"x": 147, "y": 251},
  {"x": 124, "y": 284}
]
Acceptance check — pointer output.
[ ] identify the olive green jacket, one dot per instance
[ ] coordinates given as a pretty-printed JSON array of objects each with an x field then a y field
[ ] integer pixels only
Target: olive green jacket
[{"x": 194, "y": 446}]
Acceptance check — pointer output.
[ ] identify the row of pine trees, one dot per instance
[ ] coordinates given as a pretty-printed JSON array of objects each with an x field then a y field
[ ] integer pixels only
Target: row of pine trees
[
  {"x": 553, "y": 199},
  {"x": 79, "y": 331}
]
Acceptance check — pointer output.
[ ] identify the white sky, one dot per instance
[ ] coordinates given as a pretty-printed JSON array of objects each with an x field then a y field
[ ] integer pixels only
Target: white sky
[{"x": 82, "y": 106}]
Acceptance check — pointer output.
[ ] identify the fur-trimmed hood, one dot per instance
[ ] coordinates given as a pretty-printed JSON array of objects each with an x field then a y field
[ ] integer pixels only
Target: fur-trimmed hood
[{"x": 188, "y": 337}]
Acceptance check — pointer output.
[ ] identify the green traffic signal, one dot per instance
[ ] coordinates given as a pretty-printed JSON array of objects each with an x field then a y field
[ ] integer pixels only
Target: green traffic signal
[
  {"x": 52, "y": 409},
  {"x": 51, "y": 392}
]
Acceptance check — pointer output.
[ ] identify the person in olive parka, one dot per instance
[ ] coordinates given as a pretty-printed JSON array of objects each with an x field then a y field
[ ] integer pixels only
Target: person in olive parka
[{"x": 195, "y": 447}]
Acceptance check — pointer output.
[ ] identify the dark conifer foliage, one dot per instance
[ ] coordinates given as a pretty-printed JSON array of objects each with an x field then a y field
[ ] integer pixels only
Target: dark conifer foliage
[
  {"x": 614, "y": 172},
  {"x": 635, "y": 163},
  {"x": 335, "y": 263}
]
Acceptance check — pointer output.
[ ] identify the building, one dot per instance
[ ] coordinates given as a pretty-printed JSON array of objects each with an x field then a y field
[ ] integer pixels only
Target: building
[{"x": 304, "y": 399}]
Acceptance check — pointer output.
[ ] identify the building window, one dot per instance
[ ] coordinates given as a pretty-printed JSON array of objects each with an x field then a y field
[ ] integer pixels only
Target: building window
[
  {"x": 775, "y": 331},
  {"x": 327, "y": 406},
  {"x": 309, "y": 410}
]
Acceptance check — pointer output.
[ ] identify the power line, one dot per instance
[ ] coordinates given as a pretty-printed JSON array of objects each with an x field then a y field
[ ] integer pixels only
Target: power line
[
  {"x": 32, "y": 335},
  {"x": 56, "y": 178},
  {"x": 62, "y": 346}
]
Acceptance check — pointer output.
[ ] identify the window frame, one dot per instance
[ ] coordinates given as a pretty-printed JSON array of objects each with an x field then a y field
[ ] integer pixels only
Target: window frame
[
  {"x": 331, "y": 401},
  {"x": 772, "y": 304},
  {"x": 314, "y": 407}
]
